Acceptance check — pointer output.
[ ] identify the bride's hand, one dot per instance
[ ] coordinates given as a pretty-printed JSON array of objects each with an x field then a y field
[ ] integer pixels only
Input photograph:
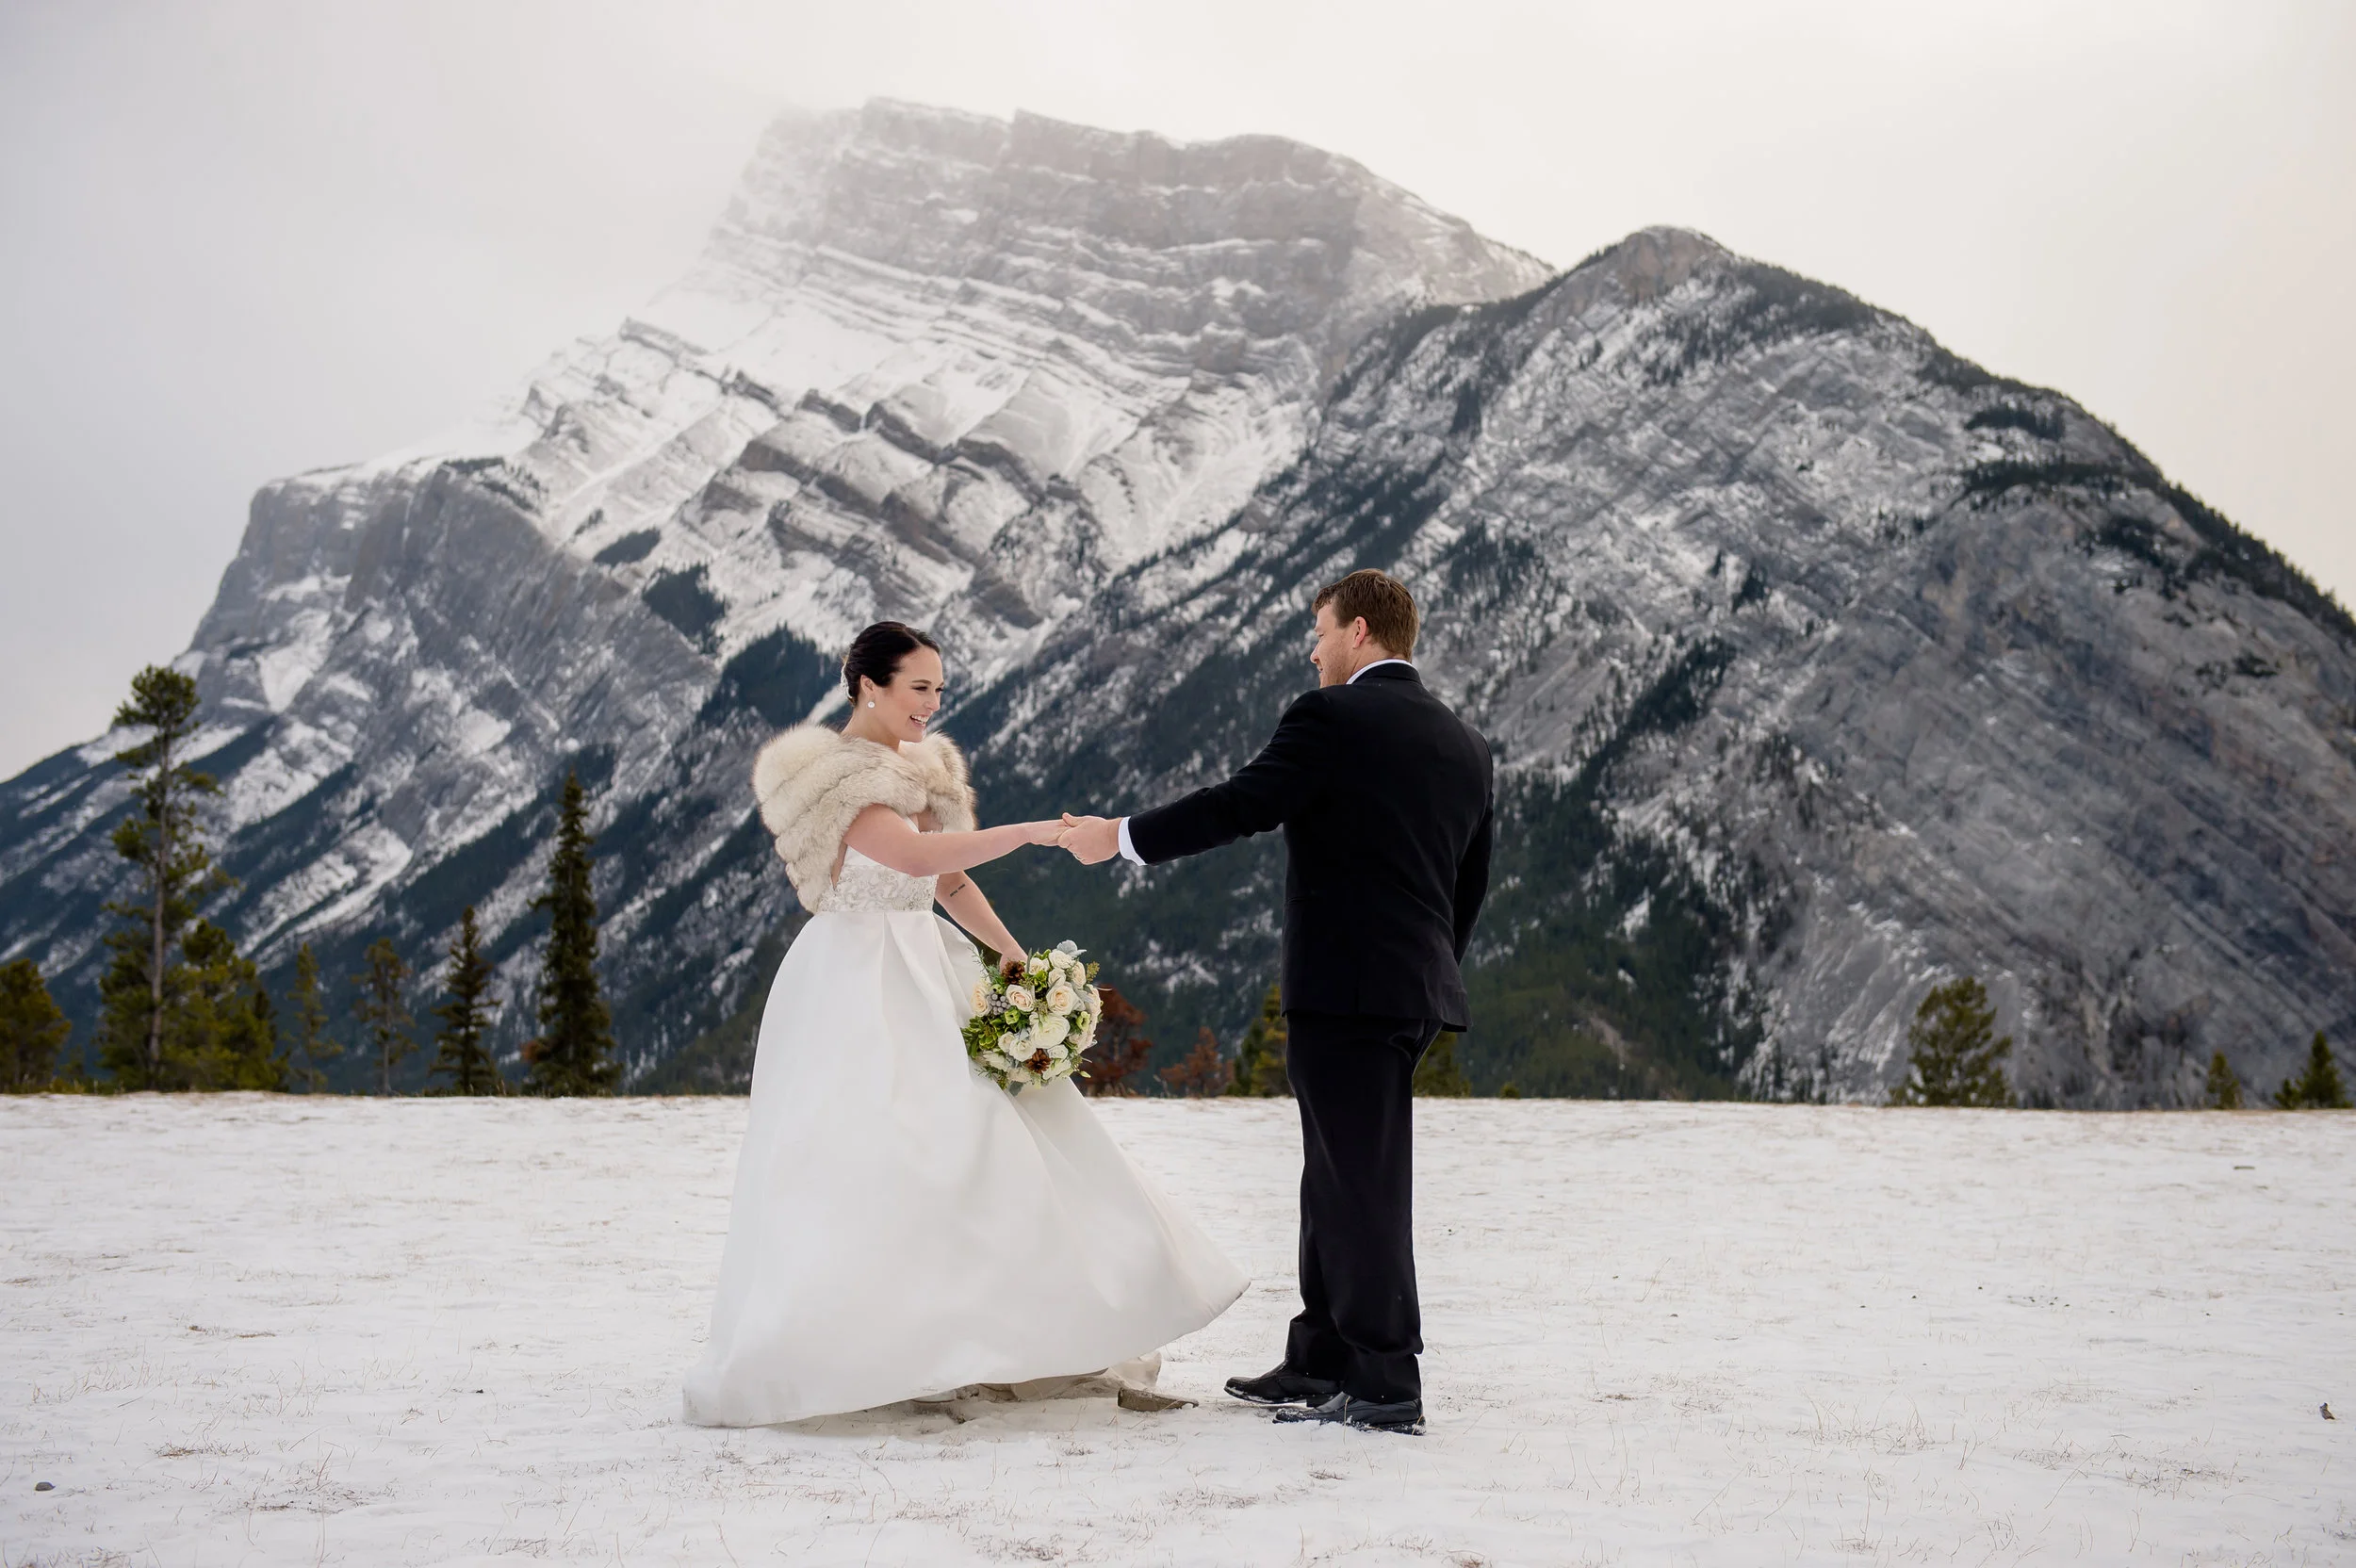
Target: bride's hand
[{"x": 1043, "y": 832}]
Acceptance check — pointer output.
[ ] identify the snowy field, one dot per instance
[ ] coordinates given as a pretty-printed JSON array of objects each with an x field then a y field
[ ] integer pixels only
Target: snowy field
[{"x": 245, "y": 1329}]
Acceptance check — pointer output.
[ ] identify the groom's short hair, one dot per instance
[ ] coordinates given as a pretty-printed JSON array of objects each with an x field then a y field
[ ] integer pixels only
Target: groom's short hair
[{"x": 1385, "y": 603}]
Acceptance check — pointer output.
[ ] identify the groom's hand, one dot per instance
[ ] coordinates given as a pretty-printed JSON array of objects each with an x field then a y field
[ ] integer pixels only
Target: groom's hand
[{"x": 1091, "y": 839}]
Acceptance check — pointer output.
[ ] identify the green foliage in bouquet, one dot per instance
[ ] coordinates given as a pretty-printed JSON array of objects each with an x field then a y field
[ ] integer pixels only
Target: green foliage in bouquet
[{"x": 1033, "y": 1027}]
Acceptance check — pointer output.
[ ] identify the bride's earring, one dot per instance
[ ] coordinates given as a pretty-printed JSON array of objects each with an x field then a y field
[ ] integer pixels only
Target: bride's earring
[{"x": 870, "y": 702}]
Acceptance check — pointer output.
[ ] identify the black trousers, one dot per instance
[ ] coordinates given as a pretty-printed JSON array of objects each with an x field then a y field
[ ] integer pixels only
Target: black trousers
[{"x": 1360, "y": 1323}]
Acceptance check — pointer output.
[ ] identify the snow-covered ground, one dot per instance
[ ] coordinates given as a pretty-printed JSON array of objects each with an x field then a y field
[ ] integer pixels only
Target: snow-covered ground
[{"x": 258, "y": 1330}]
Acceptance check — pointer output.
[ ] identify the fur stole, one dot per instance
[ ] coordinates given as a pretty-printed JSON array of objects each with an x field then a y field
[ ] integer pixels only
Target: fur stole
[{"x": 813, "y": 782}]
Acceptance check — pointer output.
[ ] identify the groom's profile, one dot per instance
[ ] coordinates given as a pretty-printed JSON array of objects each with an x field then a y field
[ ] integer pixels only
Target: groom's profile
[{"x": 1386, "y": 800}]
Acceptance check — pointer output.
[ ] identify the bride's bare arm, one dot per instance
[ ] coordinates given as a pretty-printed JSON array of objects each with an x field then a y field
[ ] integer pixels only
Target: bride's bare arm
[
  {"x": 885, "y": 837},
  {"x": 963, "y": 897}
]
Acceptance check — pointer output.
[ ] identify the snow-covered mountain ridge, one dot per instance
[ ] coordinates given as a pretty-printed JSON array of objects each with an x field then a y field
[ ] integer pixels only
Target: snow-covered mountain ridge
[
  {"x": 1824, "y": 663},
  {"x": 931, "y": 364}
]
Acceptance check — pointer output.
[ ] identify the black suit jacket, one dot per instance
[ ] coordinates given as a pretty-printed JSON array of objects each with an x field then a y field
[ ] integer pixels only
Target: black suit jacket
[{"x": 1387, "y": 800}]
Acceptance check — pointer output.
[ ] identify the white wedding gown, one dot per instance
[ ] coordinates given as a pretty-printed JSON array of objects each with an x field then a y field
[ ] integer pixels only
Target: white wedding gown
[{"x": 902, "y": 1227}]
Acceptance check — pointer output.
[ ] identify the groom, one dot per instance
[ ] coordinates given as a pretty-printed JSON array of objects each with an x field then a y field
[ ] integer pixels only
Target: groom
[{"x": 1386, "y": 799}]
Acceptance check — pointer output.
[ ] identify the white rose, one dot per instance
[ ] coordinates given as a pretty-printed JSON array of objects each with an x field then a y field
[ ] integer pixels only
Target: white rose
[
  {"x": 1021, "y": 997},
  {"x": 1061, "y": 998},
  {"x": 1052, "y": 1030},
  {"x": 998, "y": 1059},
  {"x": 981, "y": 996}
]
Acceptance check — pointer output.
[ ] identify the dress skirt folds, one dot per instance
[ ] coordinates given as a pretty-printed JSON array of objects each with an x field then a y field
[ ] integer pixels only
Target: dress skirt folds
[{"x": 901, "y": 1226}]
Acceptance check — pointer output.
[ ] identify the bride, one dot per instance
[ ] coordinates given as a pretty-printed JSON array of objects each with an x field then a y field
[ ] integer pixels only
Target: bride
[{"x": 902, "y": 1227}]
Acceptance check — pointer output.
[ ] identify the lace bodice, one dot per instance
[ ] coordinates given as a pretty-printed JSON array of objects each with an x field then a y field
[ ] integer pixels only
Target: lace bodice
[{"x": 866, "y": 886}]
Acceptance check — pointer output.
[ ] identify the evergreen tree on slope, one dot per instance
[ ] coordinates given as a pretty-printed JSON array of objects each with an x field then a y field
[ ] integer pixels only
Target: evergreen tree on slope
[
  {"x": 380, "y": 1010},
  {"x": 175, "y": 872},
  {"x": 2318, "y": 1089},
  {"x": 1260, "y": 1059},
  {"x": 32, "y": 1030},
  {"x": 1437, "y": 1074},
  {"x": 574, "y": 1052},
  {"x": 223, "y": 1031},
  {"x": 2224, "y": 1084},
  {"x": 1957, "y": 1058},
  {"x": 466, "y": 1012},
  {"x": 311, "y": 1045}
]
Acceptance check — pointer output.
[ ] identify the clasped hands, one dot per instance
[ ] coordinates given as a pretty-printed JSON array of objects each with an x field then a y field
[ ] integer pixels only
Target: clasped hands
[{"x": 1090, "y": 840}]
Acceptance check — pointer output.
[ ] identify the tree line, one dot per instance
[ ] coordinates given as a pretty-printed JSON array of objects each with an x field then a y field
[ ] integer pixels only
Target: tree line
[
  {"x": 1955, "y": 1057},
  {"x": 1116, "y": 1060},
  {"x": 180, "y": 1008}
]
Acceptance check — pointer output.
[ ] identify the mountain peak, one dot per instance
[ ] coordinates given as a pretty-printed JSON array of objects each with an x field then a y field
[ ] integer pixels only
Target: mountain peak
[
  {"x": 931, "y": 364},
  {"x": 952, "y": 193}
]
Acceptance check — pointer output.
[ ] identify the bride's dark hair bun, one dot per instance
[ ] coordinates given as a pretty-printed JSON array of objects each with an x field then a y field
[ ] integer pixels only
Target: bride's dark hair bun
[{"x": 877, "y": 652}]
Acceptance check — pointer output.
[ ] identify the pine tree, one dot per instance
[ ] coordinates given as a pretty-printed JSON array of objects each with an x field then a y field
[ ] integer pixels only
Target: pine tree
[
  {"x": 1437, "y": 1074},
  {"x": 1206, "y": 1072},
  {"x": 1119, "y": 1052},
  {"x": 1957, "y": 1058},
  {"x": 1260, "y": 1058},
  {"x": 223, "y": 1031},
  {"x": 574, "y": 1052},
  {"x": 2318, "y": 1089},
  {"x": 261, "y": 1054},
  {"x": 32, "y": 1030},
  {"x": 2224, "y": 1084},
  {"x": 1508, "y": 1090},
  {"x": 311, "y": 1044},
  {"x": 459, "y": 1049},
  {"x": 380, "y": 1010},
  {"x": 175, "y": 872}
]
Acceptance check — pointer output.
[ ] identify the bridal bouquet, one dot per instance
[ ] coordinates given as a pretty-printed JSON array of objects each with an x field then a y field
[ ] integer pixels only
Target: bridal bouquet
[{"x": 1032, "y": 1026}]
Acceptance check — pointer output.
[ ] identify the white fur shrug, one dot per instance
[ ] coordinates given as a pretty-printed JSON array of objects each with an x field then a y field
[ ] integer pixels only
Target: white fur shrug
[{"x": 812, "y": 782}]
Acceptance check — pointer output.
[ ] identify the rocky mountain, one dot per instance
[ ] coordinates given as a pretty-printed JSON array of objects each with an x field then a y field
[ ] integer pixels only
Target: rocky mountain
[
  {"x": 1824, "y": 664},
  {"x": 930, "y": 365}
]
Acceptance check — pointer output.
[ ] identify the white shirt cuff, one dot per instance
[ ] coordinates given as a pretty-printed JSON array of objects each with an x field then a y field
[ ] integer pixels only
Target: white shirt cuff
[{"x": 1128, "y": 850}]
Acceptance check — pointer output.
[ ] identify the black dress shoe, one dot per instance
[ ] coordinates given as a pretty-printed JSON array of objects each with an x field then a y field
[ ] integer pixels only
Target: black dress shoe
[
  {"x": 1404, "y": 1416},
  {"x": 1282, "y": 1387}
]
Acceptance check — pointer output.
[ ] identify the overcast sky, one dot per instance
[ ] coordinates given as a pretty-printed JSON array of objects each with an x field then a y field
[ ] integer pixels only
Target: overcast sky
[{"x": 237, "y": 241}]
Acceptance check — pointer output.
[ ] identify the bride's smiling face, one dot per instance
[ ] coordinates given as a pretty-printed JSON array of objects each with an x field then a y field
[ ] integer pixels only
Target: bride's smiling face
[{"x": 904, "y": 708}]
